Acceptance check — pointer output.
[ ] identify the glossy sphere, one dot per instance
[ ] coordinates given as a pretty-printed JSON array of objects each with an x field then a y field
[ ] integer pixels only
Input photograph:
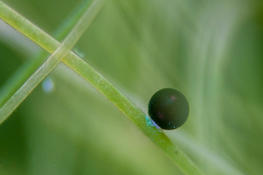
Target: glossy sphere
[{"x": 168, "y": 108}]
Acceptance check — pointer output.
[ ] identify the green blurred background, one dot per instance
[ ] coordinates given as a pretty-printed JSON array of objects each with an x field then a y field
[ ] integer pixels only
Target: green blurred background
[{"x": 211, "y": 50}]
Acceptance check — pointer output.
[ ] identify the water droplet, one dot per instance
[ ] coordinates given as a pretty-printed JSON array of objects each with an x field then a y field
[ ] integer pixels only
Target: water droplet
[
  {"x": 150, "y": 122},
  {"x": 48, "y": 85}
]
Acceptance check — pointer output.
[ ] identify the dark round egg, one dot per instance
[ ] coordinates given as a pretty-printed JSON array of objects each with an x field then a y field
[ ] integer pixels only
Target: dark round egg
[{"x": 168, "y": 108}]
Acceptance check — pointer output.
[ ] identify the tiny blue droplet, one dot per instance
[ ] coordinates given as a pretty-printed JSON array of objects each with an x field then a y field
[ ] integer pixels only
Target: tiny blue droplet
[
  {"x": 48, "y": 85},
  {"x": 150, "y": 122}
]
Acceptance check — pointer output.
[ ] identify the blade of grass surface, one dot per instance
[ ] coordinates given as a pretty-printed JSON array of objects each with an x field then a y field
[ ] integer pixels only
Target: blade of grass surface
[
  {"x": 24, "y": 72},
  {"x": 105, "y": 87},
  {"x": 53, "y": 60}
]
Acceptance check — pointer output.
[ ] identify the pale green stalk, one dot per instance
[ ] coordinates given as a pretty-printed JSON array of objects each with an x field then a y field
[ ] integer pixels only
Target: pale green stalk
[
  {"x": 31, "y": 65},
  {"x": 105, "y": 87},
  {"x": 52, "y": 61}
]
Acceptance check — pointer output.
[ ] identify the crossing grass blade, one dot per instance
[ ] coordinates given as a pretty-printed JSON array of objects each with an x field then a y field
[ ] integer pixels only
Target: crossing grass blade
[
  {"x": 50, "y": 64},
  {"x": 104, "y": 86}
]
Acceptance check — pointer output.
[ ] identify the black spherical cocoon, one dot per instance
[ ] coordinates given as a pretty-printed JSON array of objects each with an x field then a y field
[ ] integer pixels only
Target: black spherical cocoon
[{"x": 168, "y": 108}]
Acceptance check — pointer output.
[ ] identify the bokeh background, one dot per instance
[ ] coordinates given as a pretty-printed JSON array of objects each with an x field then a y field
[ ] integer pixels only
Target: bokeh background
[{"x": 211, "y": 50}]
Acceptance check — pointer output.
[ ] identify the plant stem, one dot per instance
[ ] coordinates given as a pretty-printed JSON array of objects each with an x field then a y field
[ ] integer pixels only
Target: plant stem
[
  {"x": 105, "y": 87},
  {"x": 51, "y": 63},
  {"x": 31, "y": 65}
]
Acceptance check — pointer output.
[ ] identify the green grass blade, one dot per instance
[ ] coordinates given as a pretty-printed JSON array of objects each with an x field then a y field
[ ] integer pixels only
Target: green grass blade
[
  {"x": 51, "y": 63},
  {"x": 105, "y": 87},
  {"x": 132, "y": 112},
  {"x": 24, "y": 72}
]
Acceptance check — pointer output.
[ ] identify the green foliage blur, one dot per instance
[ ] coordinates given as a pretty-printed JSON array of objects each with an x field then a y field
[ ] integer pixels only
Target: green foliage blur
[{"x": 212, "y": 51}]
